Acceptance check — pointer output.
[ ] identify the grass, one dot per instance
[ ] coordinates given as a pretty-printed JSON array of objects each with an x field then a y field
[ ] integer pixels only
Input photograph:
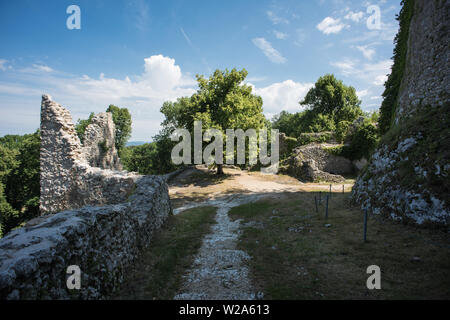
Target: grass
[
  {"x": 296, "y": 256},
  {"x": 158, "y": 273}
]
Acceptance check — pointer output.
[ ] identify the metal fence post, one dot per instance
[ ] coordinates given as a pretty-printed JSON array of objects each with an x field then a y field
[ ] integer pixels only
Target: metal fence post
[
  {"x": 365, "y": 225},
  {"x": 315, "y": 201},
  {"x": 326, "y": 210}
]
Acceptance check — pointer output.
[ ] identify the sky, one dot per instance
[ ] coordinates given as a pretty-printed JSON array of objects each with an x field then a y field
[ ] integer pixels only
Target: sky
[{"x": 138, "y": 53}]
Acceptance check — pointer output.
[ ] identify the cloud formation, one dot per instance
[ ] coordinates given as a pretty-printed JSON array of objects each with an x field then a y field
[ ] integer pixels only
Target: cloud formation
[
  {"x": 330, "y": 25},
  {"x": 276, "y": 19},
  {"x": 143, "y": 94},
  {"x": 366, "y": 51},
  {"x": 269, "y": 51},
  {"x": 282, "y": 96},
  {"x": 280, "y": 35},
  {"x": 354, "y": 16}
]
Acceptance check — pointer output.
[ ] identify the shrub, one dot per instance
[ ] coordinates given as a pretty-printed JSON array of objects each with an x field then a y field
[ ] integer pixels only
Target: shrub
[{"x": 320, "y": 137}]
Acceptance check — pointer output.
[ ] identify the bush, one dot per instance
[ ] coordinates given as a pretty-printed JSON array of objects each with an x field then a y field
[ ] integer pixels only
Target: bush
[
  {"x": 342, "y": 130},
  {"x": 320, "y": 137},
  {"x": 19, "y": 180}
]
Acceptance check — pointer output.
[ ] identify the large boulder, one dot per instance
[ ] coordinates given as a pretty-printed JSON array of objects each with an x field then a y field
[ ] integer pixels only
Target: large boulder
[{"x": 314, "y": 162}]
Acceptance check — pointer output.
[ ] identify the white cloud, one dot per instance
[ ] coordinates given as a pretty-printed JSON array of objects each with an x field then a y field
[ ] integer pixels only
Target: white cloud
[
  {"x": 374, "y": 73},
  {"x": 330, "y": 25},
  {"x": 276, "y": 19},
  {"x": 362, "y": 93},
  {"x": 366, "y": 51},
  {"x": 2, "y": 64},
  {"x": 354, "y": 16},
  {"x": 301, "y": 37},
  {"x": 346, "y": 67},
  {"x": 144, "y": 94},
  {"x": 280, "y": 35},
  {"x": 282, "y": 96},
  {"x": 268, "y": 50},
  {"x": 37, "y": 69},
  {"x": 380, "y": 80},
  {"x": 138, "y": 14}
]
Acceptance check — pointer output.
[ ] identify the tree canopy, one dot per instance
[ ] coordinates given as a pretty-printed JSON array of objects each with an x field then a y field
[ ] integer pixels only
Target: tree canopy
[
  {"x": 19, "y": 179},
  {"x": 330, "y": 96},
  {"x": 221, "y": 102},
  {"x": 122, "y": 121}
]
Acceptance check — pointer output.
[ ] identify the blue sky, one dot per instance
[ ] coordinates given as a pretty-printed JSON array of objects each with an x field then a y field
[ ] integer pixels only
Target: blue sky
[{"x": 138, "y": 54}]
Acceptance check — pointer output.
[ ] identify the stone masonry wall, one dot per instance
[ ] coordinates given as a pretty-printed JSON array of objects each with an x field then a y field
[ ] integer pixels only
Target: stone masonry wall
[
  {"x": 102, "y": 241},
  {"x": 68, "y": 179},
  {"x": 99, "y": 146},
  {"x": 426, "y": 77},
  {"x": 407, "y": 177},
  {"x": 98, "y": 219}
]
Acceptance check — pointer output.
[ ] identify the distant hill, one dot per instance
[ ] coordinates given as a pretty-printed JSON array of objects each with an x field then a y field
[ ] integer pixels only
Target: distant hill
[{"x": 136, "y": 143}]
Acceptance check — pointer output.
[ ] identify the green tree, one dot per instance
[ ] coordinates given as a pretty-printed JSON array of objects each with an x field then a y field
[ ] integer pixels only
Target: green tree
[
  {"x": 81, "y": 126},
  {"x": 221, "y": 102},
  {"x": 22, "y": 188},
  {"x": 332, "y": 97},
  {"x": 19, "y": 179},
  {"x": 122, "y": 121},
  {"x": 142, "y": 159},
  {"x": 8, "y": 216}
]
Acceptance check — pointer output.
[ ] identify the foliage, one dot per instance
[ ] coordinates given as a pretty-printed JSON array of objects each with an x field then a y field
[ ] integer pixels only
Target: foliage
[
  {"x": 103, "y": 146},
  {"x": 19, "y": 179},
  {"x": 332, "y": 106},
  {"x": 8, "y": 216},
  {"x": 341, "y": 130},
  {"x": 221, "y": 102},
  {"x": 81, "y": 126},
  {"x": 363, "y": 142},
  {"x": 332, "y": 97},
  {"x": 307, "y": 138},
  {"x": 294, "y": 125},
  {"x": 392, "y": 85},
  {"x": 142, "y": 159},
  {"x": 122, "y": 121}
]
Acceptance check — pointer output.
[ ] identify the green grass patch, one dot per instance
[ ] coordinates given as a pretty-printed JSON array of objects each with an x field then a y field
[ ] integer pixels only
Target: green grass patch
[
  {"x": 158, "y": 273},
  {"x": 295, "y": 256}
]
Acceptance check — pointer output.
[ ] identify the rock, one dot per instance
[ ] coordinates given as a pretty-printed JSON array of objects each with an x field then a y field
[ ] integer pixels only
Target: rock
[
  {"x": 99, "y": 146},
  {"x": 405, "y": 178},
  {"x": 98, "y": 219},
  {"x": 327, "y": 225},
  {"x": 312, "y": 162}
]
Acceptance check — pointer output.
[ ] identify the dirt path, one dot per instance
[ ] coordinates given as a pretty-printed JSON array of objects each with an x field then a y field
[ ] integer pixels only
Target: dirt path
[{"x": 219, "y": 270}]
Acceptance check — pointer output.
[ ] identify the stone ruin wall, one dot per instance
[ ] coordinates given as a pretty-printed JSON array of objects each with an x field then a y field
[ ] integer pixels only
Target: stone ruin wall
[
  {"x": 96, "y": 218},
  {"x": 425, "y": 83},
  {"x": 426, "y": 79},
  {"x": 75, "y": 175}
]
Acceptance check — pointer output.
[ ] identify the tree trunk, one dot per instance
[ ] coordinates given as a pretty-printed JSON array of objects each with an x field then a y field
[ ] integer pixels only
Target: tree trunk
[{"x": 219, "y": 169}]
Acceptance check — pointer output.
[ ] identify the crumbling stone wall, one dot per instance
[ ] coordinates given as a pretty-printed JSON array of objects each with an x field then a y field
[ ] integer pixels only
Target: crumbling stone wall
[
  {"x": 102, "y": 241},
  {"x": 312, "y": 162},
  {"x": 99, "y": 146},
  {"x": 98, "y": 219},
  {"x": 407, "y": 177},
  {"x": 71, "y": 174}
]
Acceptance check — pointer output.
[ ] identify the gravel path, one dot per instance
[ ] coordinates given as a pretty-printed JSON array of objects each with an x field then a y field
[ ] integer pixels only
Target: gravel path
[{"x": 219, "y": 271}]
